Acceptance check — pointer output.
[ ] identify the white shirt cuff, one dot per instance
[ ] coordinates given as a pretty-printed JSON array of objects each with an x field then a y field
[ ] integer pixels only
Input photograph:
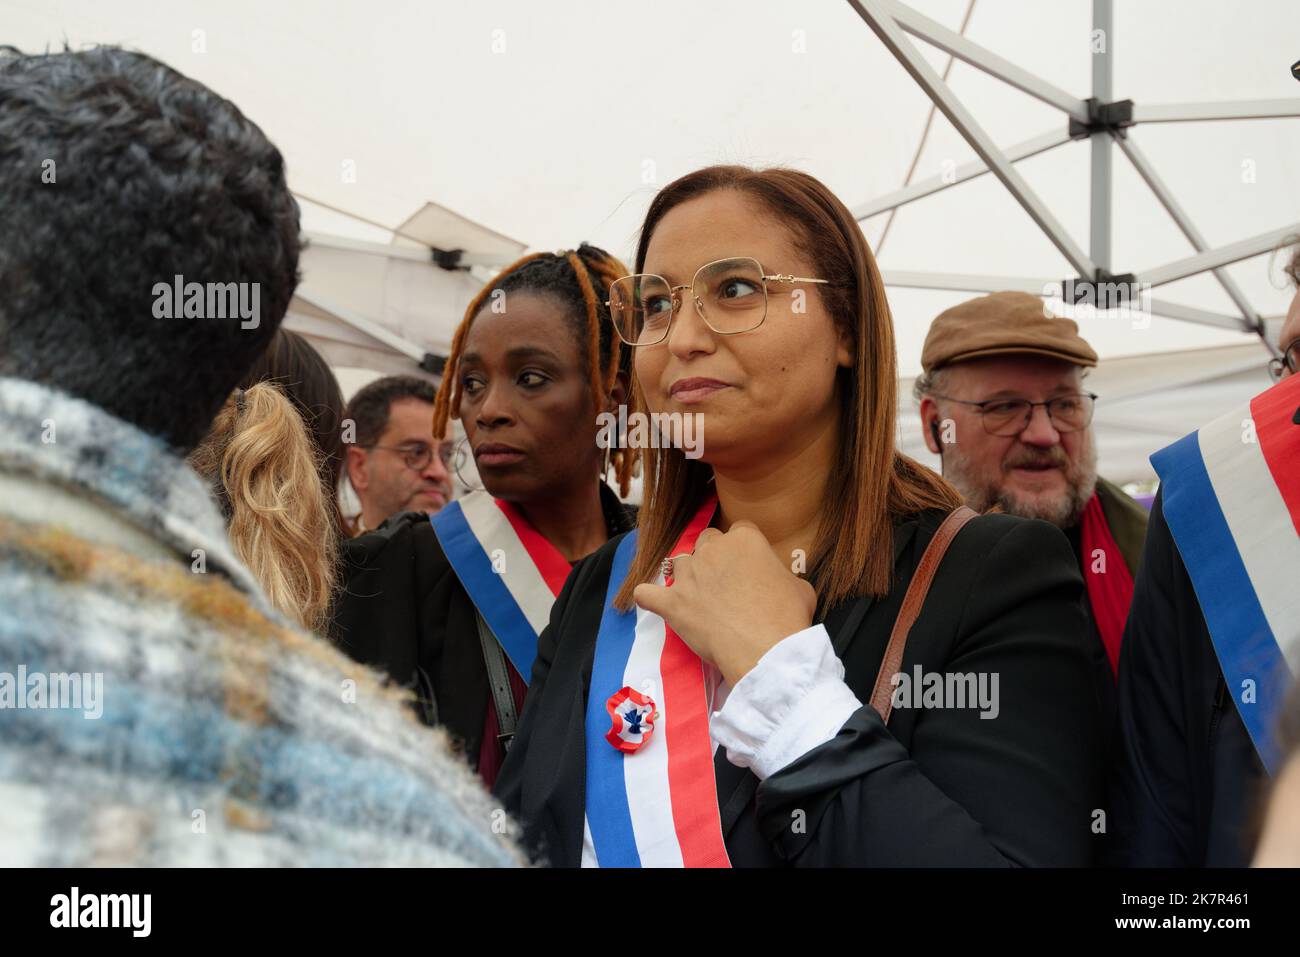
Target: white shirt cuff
[{"x": 793, "y": 700}]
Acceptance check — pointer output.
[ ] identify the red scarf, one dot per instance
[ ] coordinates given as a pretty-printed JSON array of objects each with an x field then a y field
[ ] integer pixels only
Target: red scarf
[{"x": 1110, "y": 586}]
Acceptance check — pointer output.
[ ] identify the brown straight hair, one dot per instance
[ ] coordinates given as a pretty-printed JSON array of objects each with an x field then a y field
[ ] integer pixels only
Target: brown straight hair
[{"x": 871, "y": 482}]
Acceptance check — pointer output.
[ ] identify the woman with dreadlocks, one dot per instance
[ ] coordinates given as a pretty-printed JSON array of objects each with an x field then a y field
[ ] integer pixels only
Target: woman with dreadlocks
[{"x": 452, "y": 606}]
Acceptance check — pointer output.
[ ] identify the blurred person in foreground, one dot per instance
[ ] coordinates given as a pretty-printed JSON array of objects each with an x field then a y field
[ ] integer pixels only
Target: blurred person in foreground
[
  {"x": 154, "y": 688},
  {"x": 396, "y": 463},
  {"x": 1213, "y": 639},
  {"x": 1003, "y": 404}
]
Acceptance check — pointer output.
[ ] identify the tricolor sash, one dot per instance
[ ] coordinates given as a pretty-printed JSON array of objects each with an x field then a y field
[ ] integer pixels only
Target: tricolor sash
[
  {"x": 1231, "y": 494},
  {"x": 650, "y": 804},
  {"x": 511, "y": 572}
]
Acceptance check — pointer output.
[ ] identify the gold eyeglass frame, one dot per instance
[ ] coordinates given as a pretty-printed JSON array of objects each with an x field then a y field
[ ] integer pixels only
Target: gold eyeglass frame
[{"x": 677, "y": 301}]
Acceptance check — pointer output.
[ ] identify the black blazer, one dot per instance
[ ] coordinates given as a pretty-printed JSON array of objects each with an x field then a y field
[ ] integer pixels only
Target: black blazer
[
  {"x": 402, "y": 610},
  {"x": 1186, "y": 777},
  {"x": 938, "y": 787}
]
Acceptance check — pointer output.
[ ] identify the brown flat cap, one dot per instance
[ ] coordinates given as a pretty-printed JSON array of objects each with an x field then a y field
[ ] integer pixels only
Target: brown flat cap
[{"x": 1004, "y": 323}]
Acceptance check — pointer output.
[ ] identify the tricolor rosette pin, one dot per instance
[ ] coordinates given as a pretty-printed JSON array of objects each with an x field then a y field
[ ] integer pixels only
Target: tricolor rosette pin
[{"x": 633, "y": 717}]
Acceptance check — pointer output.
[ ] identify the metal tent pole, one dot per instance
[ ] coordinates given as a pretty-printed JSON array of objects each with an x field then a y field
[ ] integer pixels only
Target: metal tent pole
[
  {"x": 1099, "y": 118},
  {"x": 877, "y": 15},
  {"x": 1103, "y": 33},
  {"x": 1201, "y": 112},
  {"x": 964, "y": 172},
  {"x": 977, "y": 56},
  {"x": 1250, "y": 319},
  {"x": 1214, "y": 258}
]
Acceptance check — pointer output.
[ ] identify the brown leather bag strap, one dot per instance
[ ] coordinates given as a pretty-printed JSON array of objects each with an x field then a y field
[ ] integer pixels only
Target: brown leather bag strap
[{"x": 882, "y": 695}]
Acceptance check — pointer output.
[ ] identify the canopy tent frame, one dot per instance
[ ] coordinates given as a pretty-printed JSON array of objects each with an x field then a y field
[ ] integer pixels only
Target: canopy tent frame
[
  {"x": 421, "y": 252},
  {"x": 460, "y": 259},
  {"x": 1099, "y": 119},
  {"x": 970, "y": 282}
]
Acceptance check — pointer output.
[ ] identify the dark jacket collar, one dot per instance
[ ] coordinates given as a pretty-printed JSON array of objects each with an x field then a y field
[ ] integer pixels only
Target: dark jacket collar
[
  {"x": 736, "y": 786},
  {"x": 1127, "y": 520}
]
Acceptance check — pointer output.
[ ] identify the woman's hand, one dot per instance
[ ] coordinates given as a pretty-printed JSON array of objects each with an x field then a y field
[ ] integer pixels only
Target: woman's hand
[{"x": 732, "y": 599}]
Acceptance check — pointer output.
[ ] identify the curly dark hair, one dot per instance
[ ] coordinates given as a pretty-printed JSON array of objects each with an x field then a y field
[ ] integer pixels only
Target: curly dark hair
[{"x": 118, "y": 173}]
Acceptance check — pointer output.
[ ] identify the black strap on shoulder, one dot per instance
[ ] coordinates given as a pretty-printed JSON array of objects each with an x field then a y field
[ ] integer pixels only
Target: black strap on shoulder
[{"x": 503, "y": 700}]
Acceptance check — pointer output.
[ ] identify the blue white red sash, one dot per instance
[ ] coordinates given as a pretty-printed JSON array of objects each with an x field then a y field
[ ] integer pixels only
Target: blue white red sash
[
  {"x": 1231, "y": 494},
  {"x": 511, "y": 572},
  {"x": 651, "y": 795}
]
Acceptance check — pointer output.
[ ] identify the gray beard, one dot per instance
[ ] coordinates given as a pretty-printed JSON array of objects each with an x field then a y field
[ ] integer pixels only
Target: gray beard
[{"x": 1064, "y": 513}]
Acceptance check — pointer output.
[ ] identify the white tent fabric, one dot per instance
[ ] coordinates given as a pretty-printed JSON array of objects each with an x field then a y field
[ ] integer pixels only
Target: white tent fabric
[
  {"x": 386, "y": 307},
  {"x": 556, "y": 123}
]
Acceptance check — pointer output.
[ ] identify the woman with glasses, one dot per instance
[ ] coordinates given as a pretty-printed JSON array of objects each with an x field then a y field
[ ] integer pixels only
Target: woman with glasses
[
  {"x": 452, "y": 605},
  {"x": 394, "y": 462},
  {"x": 1287, "y": 364},
  {"x": 710, "y": 689}
]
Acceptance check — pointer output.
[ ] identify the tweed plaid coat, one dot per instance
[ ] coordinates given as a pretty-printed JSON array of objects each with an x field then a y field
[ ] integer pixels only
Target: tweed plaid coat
[{"x": 223, "y": 735}]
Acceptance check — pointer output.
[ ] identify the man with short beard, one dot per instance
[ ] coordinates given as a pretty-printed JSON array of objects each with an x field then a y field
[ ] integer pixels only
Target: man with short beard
[{"x": 1004, "y": 405}]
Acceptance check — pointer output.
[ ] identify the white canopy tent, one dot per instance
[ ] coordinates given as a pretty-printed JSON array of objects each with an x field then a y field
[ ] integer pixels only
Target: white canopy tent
[
  {"x": 392, "y": 308},
  {"x": 557, "y": 123},
  {"x": 1135, "y": 386}
]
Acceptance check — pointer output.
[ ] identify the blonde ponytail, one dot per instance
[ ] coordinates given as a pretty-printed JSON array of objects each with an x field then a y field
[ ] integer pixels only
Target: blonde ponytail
[{"x": 263, "y": 465}]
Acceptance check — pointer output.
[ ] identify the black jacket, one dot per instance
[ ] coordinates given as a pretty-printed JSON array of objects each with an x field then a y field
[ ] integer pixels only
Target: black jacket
[
  {"x": 1186, "y": 774},
  {"x": 1127, "y": 521},
  {"x": 403, "y": 611},
  {"x": 939, "y": 787}
]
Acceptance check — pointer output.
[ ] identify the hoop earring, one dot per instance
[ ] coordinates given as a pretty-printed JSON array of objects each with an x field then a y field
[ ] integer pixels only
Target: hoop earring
[
  {"x": 609, "y": 450},
  {"x": 458, "y": 458}
]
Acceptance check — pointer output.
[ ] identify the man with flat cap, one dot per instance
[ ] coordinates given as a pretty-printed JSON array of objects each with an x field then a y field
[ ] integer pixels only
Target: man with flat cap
[{"x": 1004, "y": 405}]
